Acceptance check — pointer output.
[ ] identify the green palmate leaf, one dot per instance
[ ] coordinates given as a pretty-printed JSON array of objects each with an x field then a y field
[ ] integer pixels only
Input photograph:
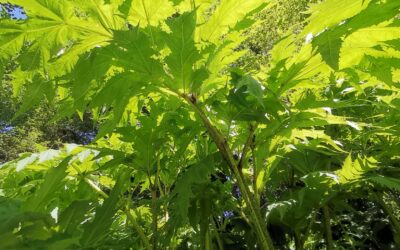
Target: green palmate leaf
[
  {"x": 319, "y": 117},
  {"x": 34, "y": 94},
  {"x": 124, "y": 6},
  {"x": 68, "y": 56},
  {"x": 320, "y": 187},
  {"x": 47, "y": 35},
  {"x": 144, "y": 13},
  {"x": 122, "y": 88},
  {"x": 283, "y": 49},
  {"x": 363, "y": 41},
  {"x": 354, "y": 171},
  {"x": 104, "y": 12},
  {"x": 220, "y": 58},
  {"x": 33, "y": 225},
  {"x": 253, "y": 88},
  {"x": 52, "y": 24},
  {"x": 53, "y": 181},
  {"x": 381, "y": 68},
  {"x": 225, "y": 17},
  {"x": 82, "y": 82},
  {"x": 386, "y": 182},
  {"x": 182, "y": 193},
  {"x": 298, "y": 72},
  {"x": 329, "y": 43},
  {"x": 202, "y": 6},
  {"x": 316, "y": 135},
  {"x": 97, "y": 229},
  {"x": 11, "y": 38},
  {"x": 115, "y": 90},
  {"x": 48, "y": 31},
  {"x": 148, "y": 141},
  {"x": 184, "y": 54},
  {"x": 329, "y": 47},
  {"x": 245, "y": 101},
  {"x": 141, "y": 55},
  {"x": 73, "y": 215},
  {"x": 331, "y": 13}
]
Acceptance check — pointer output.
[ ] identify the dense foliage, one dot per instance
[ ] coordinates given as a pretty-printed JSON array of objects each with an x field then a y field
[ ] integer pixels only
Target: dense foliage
[
  {"x": 298, "y": 152},
  {"x": 34, "y": 131}
]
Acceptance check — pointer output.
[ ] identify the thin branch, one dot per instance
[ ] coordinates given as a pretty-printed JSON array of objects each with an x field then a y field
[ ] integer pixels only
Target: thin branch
[
  {"x": 247, "y": 145},
  {"x": 129, "y": 216},
  {"x": 95, "y": 187},
  {"x": 255, "y": 177}
]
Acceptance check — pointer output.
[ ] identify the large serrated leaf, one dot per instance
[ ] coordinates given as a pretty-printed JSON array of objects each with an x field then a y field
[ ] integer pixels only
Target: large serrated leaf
[
  {"x": 387, "y": 182},
  {"x": 104, "y": 216},
  {"x": 73, "y": 216},
  {"x": 225, "y": 17},
  {"x": 331, "y": 13},
  {"x": 182, "y": 193},
  {"x": 144, "y": 13},
  {"x": 53, "y": 182},
  {"x": 184, "y": 53},
  {"x": 34, "y": 94}
]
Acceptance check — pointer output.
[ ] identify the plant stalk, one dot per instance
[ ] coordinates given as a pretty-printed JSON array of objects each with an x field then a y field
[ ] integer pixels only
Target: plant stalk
[
  {"x": 247, "y": 146},
  {"x": 255, "y": 177},
  {"x": 264, "y": 240}
]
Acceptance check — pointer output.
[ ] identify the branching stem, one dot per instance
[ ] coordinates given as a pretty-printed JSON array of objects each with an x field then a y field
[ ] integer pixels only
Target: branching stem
[
  {"x": 265, "y": 242},
  {"x": 247, "y": 146}
]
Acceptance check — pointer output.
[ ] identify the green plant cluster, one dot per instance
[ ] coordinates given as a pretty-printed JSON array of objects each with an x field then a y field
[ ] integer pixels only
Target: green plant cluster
[
  {"x": 193, "y": 153},
  {"x": 35, "y": 130}
]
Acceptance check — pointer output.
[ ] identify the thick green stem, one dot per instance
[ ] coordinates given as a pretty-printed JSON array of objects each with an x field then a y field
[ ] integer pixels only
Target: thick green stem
[
  {"x": 328, "y": 230},
  {"x": 255, "y": 177},
  {"x": 264, "y": 240},
  {"x": 95, "y": 187},
  {"x": 247, "y": 146},
  {"x": 208, "y": 244}
]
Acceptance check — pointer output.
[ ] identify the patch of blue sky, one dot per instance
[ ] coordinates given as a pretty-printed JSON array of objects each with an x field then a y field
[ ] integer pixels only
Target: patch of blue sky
[
  {"x": 15, "y": 12},
  {"x": 18, "y": 13}
]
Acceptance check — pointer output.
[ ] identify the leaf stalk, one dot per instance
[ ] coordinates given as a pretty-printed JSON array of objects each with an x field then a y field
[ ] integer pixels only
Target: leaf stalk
[{"x": 265, "y": 241}]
